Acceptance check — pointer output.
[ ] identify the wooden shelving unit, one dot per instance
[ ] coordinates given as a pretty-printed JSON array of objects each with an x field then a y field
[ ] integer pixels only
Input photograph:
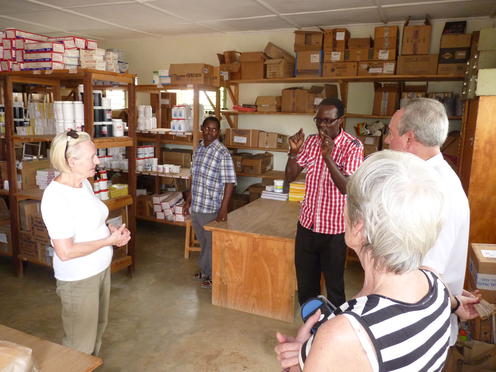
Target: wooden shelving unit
[
  {"x": 57, "y": 79},
  {"x": 165, "y": 222}
]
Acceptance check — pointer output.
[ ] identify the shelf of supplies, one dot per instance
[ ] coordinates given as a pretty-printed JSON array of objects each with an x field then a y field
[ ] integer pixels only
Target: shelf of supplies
[
  {"x": 156, "y": 137},
  {"x": 258, "y": 148},
  {"x": 156, "y": 88},
  {"x": 165, "y": 222},
  {"x": 4, "y": 192},
  {"x": 106, "y": 142},
  {"x": 321, "y": 79},
  {"x": 33, "y": 138},
  {"x": 76, "y": 74},
  {"x": 233, "y": 112},
  {"x": 367, "y": 116},
  {"x": 184, "y": 173},
  {"x": 120, "y": 264}
]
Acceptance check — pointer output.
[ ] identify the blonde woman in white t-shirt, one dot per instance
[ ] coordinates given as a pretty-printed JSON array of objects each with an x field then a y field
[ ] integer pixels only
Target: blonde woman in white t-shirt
[{"x": 82, "y": 241}]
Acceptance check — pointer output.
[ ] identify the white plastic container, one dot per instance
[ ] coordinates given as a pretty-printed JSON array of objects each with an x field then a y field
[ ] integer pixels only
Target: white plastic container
[
  {"x": 278, "y": 185},
  {"x": 58, "y": 111},
  {"x": 78, "y": 112},
  {"x": 68, "y": 124},
  {"x": 117, "y": 127},
  {"x": 68, "y": 111}
]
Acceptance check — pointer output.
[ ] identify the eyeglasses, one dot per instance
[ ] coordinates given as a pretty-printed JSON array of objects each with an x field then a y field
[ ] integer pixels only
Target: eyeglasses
[
  {"x": 210, "y": 129},
  {"x": 70, "y": 134},
  {"x": 325, "y": 122}
]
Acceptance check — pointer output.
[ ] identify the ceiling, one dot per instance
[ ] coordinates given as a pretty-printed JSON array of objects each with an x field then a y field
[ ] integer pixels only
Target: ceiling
[{"x": 121, "y": 19}]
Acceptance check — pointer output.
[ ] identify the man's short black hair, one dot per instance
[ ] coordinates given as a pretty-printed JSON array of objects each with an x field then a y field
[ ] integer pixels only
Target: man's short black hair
[
  {"x": 212, "y": 119},
  {"x": 333, "y": 102}
]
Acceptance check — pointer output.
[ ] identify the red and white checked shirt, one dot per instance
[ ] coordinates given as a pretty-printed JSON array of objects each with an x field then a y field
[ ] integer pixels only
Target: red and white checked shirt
[{"x": 323, "y": 206}]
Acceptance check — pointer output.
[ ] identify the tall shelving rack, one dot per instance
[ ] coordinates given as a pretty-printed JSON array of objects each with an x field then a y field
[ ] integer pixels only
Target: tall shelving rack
[{"x": 65, "y": 78}]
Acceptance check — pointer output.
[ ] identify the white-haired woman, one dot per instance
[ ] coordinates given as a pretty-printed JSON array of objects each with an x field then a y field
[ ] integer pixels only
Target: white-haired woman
[
  {"x": 400, "y": 320},
  {"x": 75, "y": 220}
]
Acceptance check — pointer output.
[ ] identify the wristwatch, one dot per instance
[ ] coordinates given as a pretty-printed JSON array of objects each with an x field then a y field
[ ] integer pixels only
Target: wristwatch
[{"x": 291, "y": 156}]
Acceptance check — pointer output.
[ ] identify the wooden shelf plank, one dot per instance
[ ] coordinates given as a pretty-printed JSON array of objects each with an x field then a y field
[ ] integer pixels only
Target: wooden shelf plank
[
  {"x": 120, "y": 264},
  {"x": 233, "y": 112},
  {"x": 76, "y": 74},
  {"x": 33, "y": 138},
  {"x": 321, "y": 79},
  {"x": 185, "y": 174},
  {"x": 118, "y": 203},
  {"x": 157, "y": 88},
  {"x": 259, "y": 148},
  {"x": 165, "y": 222},
  {"x": 107, "y": 142}
]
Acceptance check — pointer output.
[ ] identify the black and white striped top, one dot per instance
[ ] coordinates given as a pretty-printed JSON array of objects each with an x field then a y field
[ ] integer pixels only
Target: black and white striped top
[{"x": 405, "y": 337}]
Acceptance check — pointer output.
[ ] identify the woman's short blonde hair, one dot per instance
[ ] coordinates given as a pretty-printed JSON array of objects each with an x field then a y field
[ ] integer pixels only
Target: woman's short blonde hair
[
  {"x": 400, "y": 200},
  {"x": 58, "y": 155}
]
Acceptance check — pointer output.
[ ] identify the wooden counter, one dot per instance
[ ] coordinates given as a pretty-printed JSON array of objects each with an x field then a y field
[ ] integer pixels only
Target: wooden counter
[
  {"x": 51, "y": 357},
  {"x": 253, "y": 259}
]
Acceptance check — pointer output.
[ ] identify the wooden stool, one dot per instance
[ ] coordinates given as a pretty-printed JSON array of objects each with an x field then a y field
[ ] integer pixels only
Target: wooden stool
[{"x": 191, "y": 244}]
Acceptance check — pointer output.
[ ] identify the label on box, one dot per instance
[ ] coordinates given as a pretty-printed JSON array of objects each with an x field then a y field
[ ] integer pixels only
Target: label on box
[
  {"x": 488, "y": 253},
  {"x": 383, "y": 54},
  {"x": 315, "y": 58},
  {"x": 335, "y": 56},
  {"x": 238, "y": 139},
  {"x": 486, "y": 281},
  {"x": 340, "y": 35},
  {"x": 388, "y": 68},
  {"x": 375, "y": 70}
]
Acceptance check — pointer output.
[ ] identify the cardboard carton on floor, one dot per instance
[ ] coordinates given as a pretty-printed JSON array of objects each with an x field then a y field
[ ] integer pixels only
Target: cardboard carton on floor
[
  {"x": 252, "y": 65},
  {"x": 417, "y": 65},
  {"x": 308, "y": 40},
  {"x": 416, "y": 39},
  {"x": 339, "y": 69},
  {"x": 268, "y": 103},
  {"x": 482, "y": 267}
]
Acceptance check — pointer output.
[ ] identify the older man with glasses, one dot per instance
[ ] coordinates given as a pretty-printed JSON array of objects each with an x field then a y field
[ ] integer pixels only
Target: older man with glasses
[{"x": 330, "y": 157}]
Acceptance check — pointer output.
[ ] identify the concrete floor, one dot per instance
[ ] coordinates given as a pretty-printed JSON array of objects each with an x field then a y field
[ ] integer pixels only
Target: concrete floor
[{"x": 160, "y": 320}]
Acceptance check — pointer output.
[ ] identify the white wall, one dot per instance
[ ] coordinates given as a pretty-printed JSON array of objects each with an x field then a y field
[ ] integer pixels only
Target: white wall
[{"x": 148, "y": 54}]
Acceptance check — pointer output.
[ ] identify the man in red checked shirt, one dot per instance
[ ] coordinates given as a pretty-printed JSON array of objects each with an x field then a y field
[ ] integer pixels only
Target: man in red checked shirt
[{"x": 329, "y": 157}]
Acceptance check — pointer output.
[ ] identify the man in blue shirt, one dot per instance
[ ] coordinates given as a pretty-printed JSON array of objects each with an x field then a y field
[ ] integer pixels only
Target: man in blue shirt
[{"x": 212, "y": 183}]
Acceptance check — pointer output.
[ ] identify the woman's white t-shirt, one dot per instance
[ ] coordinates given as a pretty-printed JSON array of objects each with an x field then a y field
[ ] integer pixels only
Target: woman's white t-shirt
[{"x": 70, "y": 212}]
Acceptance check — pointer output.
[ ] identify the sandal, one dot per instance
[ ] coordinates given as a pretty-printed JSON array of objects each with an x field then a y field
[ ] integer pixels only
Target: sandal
[{"x": 207, "y": 284}]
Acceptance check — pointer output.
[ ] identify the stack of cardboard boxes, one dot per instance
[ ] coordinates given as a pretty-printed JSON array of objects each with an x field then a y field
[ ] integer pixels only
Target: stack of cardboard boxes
[
  {"x": 302, "y": 100},
  {"x": 308, "y": 48},
  {"x": 415, "y": 58},
  {"x": 253, "y": 138},
  {"x": 279, "y": 63},
  {"x": 382, "y": 59},
  {"x": 454, "y": 51}
]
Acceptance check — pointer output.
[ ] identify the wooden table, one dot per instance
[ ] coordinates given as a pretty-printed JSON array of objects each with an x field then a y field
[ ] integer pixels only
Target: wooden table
[
  {"x": 253, "y": 259},
  {"x": 51, "y": 357}
]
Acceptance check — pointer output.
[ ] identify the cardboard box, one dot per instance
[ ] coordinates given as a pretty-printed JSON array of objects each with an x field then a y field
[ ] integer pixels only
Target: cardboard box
[
  {"x": 455, "y": 41},
  {"x": 272, "y": 140},
  {"x": 482, "y": 267},
  {"x": 279, "y": 68},
  {"x": 371, "y": 68},
  {"x": 4, "y": 211},
  {"x": 191, "y": 73},
  {"x": 454, "y": 55},
  {"x": 386, "y": 43},
  {"x": 28, "y": 172},
  {"x": 144, "y": 205},
  {"x": 386, "y": 99},
  {"x": 27, "y": 246},
  {"x": 487, "y": 39},
  {"x": 255, "y": 191},
  {"x": 455, "y": 69},
  {"x": 416, "y": 39},
  {"x": 258, "y": 163},
  {"x": 290, "y": 97},
  {"x": 385, "y": 54},
  {"x": 308, "y": 40},
  {"x": 359, "y": 54},
  {"x": 241, "y": 137},
  {"x": 229, "y": 65},
  {"x": 340, "y": 69},
  {"x": 182, "y": 157},
  {"x": 309, "y": 63},
  {"x": 391, "y": 32},
  {"x": 360, "y": 43},
  {"x": 268, "y": 103},
  {"x": 27, "y": 210},
  {"x": 482, "y": 329},
  {"x": 274, "y": 52},
  {"x": 334, "y": 55},
  {"x": 252, "y": 65},
  {"x": 371, "y": 144},
  {"x": 39, "y": 230},
  {"x": 5, "y": 240},
  {"x": 336, "y": 39},
  {"x": 417, "y": 65}
]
